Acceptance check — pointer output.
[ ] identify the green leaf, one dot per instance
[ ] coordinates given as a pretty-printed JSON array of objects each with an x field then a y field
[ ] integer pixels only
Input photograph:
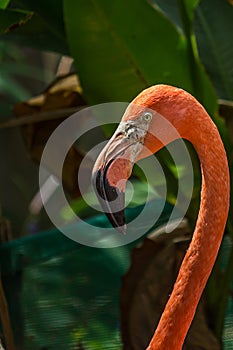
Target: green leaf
[
  {"x": 36, "y": 33},
  {"x": 11, "y": 19},
  {"x": 170, "y": 9},
  {"x": 122, "y": 47},
  {"x": 214, "y": 28},
  {"x": 45, "y": 31},
  {"x": 190, "y": 6},
  {"x": 50, "y": 11},
  {"x": 181, "y": 14},
  {"x": 4, "y": 3}
]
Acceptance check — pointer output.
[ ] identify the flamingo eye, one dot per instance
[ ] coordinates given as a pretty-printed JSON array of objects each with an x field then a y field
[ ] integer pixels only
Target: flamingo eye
[{"x": 147, "y": 116}]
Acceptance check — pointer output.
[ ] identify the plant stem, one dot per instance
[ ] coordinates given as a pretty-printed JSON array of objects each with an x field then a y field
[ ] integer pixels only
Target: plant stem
[{"x": 191, "y": 49}]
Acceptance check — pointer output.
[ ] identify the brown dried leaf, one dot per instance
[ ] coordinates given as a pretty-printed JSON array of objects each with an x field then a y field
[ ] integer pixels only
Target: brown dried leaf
[
  {"x": 146, "y": 288},
  {"x": 62, "y": 94}
]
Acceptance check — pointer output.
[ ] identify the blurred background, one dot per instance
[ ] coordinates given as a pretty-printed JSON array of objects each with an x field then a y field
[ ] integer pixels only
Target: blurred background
[{"x": 57, "y": 57}]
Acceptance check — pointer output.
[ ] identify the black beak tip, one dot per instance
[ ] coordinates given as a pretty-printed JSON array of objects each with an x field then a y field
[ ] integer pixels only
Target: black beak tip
[
  {"x": 110, "y": 200},
  {"x": 96, "y": 182}
]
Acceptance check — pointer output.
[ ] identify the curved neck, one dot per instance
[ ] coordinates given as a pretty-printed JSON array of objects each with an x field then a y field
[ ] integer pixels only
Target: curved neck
[{"x": 200, "y": 257}]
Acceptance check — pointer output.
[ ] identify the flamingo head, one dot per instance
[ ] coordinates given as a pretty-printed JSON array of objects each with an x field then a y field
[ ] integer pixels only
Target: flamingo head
[
  {"x": 142, "y": 131},
  {"x": 130, "y": 142}
]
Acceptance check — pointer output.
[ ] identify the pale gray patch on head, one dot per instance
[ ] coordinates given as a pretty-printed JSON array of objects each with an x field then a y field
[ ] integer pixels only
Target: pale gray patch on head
[{"x": 135, "y": 130}]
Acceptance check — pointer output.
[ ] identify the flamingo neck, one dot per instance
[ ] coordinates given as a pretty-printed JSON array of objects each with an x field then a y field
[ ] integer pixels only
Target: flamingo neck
[{"x": 201, "y": 255}]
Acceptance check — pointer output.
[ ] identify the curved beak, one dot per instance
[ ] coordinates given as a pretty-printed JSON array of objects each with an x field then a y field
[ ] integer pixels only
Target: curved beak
[{"x": 111, "y": 171}]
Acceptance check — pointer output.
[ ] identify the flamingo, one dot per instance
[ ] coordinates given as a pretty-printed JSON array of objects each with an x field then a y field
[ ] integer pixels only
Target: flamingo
[{"x": 139, "y": 134}]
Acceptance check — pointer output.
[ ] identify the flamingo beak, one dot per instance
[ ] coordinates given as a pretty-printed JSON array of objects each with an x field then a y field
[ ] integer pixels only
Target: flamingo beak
[{"x": 111, "y": 171}]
